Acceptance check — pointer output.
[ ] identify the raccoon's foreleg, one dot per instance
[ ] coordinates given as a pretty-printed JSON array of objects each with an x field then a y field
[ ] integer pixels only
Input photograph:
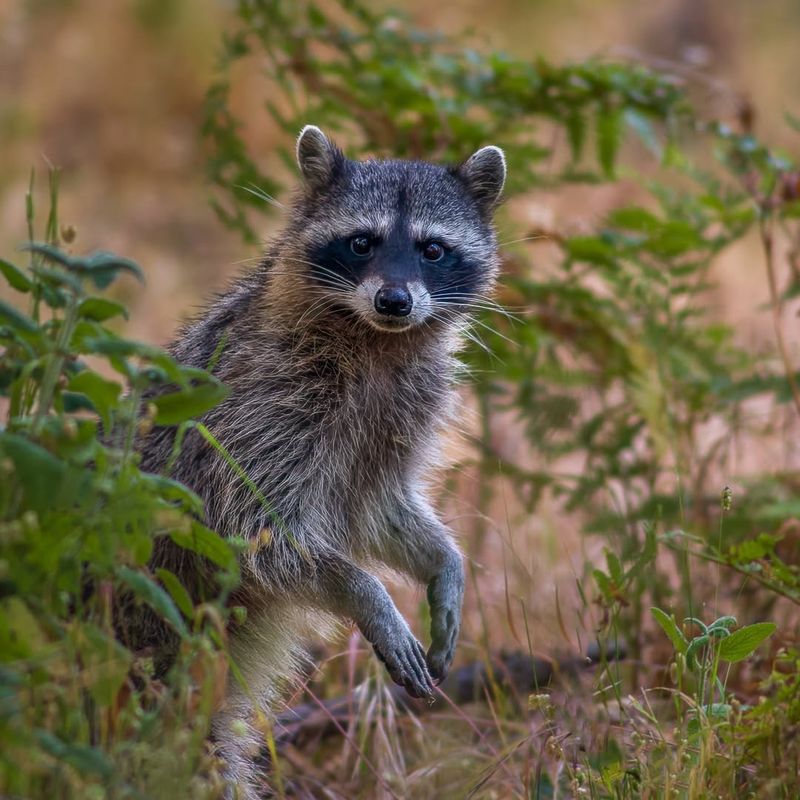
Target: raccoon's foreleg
[
  {"x": 349, "y": 591},
  {"x": 421, "y": 546}
]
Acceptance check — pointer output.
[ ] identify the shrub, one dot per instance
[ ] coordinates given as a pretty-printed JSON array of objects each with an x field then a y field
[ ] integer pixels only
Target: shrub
[{"x": 81, "y": 715}]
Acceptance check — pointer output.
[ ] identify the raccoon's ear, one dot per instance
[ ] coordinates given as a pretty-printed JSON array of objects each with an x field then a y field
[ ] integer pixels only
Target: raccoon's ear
[
  {"x": 317, "y": 156},
  {"x": 484, "y": 172}
]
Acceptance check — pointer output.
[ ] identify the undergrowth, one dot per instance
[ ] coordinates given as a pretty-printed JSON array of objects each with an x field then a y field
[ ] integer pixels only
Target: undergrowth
[{"x": 81, "y": 715}]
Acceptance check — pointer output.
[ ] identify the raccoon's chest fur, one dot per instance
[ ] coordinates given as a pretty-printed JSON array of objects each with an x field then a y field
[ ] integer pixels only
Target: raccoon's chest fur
[{"x": 325, "y": 440}]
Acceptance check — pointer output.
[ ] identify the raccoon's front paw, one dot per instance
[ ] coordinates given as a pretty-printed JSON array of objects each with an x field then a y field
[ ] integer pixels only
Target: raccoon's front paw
[
  {"x": 445, "y": 593},
  {"x": 445, "y": 624},
  {"x": 404, "y": 658}
]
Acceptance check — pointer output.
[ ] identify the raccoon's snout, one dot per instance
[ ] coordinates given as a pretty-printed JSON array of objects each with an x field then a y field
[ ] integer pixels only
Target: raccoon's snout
[{"x": 393, "y": 301}]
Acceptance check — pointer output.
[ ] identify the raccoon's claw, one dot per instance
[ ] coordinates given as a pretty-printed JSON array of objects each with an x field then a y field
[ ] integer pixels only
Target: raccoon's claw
[{"x": 405, "y": 660}]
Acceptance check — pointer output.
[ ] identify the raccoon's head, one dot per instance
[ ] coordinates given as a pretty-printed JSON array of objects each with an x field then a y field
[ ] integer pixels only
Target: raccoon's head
[{"x": 395, "y": 244}]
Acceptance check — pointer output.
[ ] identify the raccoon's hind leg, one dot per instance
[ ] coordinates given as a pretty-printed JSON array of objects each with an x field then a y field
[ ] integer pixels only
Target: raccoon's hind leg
[{"x": 268, "y": 654}]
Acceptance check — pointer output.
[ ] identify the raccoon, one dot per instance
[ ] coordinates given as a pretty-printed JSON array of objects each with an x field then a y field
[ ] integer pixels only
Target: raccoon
[{"x": 339, "y": 351}]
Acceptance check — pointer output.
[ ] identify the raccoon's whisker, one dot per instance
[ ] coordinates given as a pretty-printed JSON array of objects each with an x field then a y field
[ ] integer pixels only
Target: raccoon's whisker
[
  {"x": 325, "y": 270},
  {"x": 485, "y": 325},
  {"x": 448, "y": 286},
  {"x": 532, "y": 238},
  {"x": 313, "y": 312},
  {"x": 444, "y": 306},
  {"x": 308, "y": 262},
  {"x": 471, "y": 305},
  {"x": 494, "y": 331},
  {"x": 330, "y": 283},
  {"x": 476, "y": 340},
  {"x": 485, "y": 307},
  {"x": 469, "y": 302},
  {"x": 261, "y": 195},
  {"x": 465, "y": 332},
  {"x": 469, "y": 298},
  {"x": 247, "y": 262}
]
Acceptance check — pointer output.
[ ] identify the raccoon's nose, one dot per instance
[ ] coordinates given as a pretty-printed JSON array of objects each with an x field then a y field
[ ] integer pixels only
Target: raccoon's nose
[{"x": 393, "y": 301}]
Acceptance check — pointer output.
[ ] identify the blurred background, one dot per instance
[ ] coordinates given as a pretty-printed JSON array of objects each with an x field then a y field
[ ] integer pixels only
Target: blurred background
[{"x": 112, "y": 94}]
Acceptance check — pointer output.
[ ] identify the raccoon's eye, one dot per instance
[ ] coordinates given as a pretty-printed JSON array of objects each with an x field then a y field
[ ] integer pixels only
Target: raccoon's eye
[
  {"x": 361, "y": 245},
  {"x": 432, "y": 251}
]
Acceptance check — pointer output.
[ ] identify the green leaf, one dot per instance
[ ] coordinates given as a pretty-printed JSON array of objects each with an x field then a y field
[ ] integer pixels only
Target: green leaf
[
  {"x": 188, "y": 403},
  {"x": 670, "y": 627},
  {"x": 15, "y": 277},
  {"x": 103, "y": 267},
  {"x": 50, "y": 252},
  {"x": 105, "y": 662},
  {"x": 576, "y": 134},
  {"x": 207, "y": 543},
  {"x": 152, "y": 594},
  {"x": 46, "y": 481},
  {"x": 609, "y": 138},
  {"x": 634, "y": 218},
  {"x": 103, "y": 393},
  {"x": 643, "y": 128},
  {"x": 718, "y": 710},
  {"x": 17, "y": 320},
  {"x": 100, "y": 309},
  {"x": 73, "y": 402},
  {"x": 56, "y": 278},
  {"x": 725, "y": 623},
  {"x": 177, "y": 591},
  {"x": 740, "y": 644},
  {"x": 695, "y": 645},
  {"x": 591, "y": 249},
  {"x": 615, "y": 568},
  {"x": 173, "y": 491},
  {"x": 603, "y": 583},
  {"x": 85, "y": 759}
]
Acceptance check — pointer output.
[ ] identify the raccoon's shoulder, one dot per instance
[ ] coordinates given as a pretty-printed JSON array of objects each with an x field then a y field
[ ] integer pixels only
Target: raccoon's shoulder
[{"x": 229, "y": 314}]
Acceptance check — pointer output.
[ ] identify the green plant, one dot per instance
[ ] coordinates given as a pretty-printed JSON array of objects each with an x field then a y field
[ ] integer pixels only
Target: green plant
[
  {"x": 703, "y": 653},
  {"x": 81, "y": 715}
]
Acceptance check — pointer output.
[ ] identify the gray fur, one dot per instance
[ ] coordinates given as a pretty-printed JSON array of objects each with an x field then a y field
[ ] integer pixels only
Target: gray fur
[{"x": 336, "y": 419}]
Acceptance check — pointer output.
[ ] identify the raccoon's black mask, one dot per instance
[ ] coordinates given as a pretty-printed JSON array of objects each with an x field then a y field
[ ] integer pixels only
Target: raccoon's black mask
[{"x": 398, "y": 243}]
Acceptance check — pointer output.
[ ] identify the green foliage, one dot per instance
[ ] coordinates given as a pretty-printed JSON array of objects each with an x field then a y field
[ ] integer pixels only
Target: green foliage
[{"x": 81, "y": 715}]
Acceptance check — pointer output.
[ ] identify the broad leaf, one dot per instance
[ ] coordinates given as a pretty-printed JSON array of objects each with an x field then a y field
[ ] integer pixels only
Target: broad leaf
[
  {"x": 188, "y": 403},
  {"x": 152, "y": 594},
  {"x": 16, "y": 278},
  {"x": 207, "y": 543},
  {"x": 740, "y": 644}
]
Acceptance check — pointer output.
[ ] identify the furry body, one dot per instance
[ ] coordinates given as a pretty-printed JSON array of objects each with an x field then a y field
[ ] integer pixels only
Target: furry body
[{"x": 334, "y": 413}]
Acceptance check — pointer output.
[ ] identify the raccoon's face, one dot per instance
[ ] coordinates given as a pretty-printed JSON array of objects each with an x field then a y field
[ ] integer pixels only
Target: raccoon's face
[{"x": 396, "y": 244}]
